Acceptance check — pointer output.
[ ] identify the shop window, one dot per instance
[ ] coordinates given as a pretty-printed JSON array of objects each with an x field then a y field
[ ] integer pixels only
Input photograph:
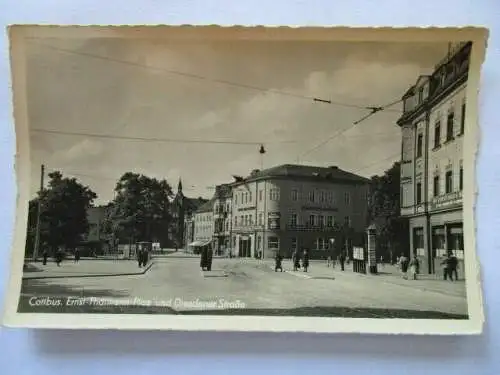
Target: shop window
[
  {"x": 418, "y": 241},
  {"x": 456, "y": 240},
  {"x": 438, "y": 242}
]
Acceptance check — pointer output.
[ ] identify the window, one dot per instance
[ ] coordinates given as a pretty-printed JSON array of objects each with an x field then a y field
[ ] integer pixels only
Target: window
[
  {"x": 242, "y": 220},
  {"x": 311, "y": 196},
  {"x": 295, "y": 195},
  {"x": 449, "y": 182},
  {"x": 293, "y": 220},
  {"x": 250, "y": 219},
  {"x": 437, "y": 134},
  {"x": 236, "y": 199},
  {"x": 260, "y": 195},
  {"x": 420, "y": 145},
  {"x": 419, "y": 192},
  {"x": 347, "y": 221},
  {"x": 261, "y": 218},
  {"x": 294, "y": 244},
  {"x": 321, "y": 220},
  {"x": 461, "y": 179},
  {"x": 456, "y": 240},
  {"x": 250, "y": 196},
  {"x": 449, "y": 126},
  {"x": 274, "y": 194},
  {"x": 321, "y": 196},
  {"x": 436, "y": 186},
  {"x": 462, "y": 119},
  {"x": 273, "y": 243},
  {"x": 321, "y": 244},
  {"x": 347, "y": 198},
  {"x": 311, "y": 220},
  {"x": 329, "y": 221},
  {"x": 259, "y": 242}
]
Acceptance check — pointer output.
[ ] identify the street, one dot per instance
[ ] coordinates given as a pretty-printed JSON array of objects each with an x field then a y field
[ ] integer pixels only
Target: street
[{"x": 247, "y": 286}]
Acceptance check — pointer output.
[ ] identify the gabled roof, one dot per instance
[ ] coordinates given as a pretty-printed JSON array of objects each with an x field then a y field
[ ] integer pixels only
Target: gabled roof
[
  {"x": 206, "y": 207},
  {"x": 305, "y": 172}
]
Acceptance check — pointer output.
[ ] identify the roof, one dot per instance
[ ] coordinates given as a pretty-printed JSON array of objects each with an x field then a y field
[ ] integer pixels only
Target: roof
[
  {"x": 207, "y": 206},
  {"x": 192, "y": 204},
  {"x": 305, "y": 172},
  {"x": 223, "y": 191}
]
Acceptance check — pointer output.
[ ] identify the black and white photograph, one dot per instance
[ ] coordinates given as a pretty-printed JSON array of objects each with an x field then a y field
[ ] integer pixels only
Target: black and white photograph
[{"x": 236, "y": 178}]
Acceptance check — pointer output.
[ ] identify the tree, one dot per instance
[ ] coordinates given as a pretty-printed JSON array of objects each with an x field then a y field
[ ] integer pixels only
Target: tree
[
  {"x": 384, "y": 211},
  {"x": 140, "y": 210},
  {"x": 63, "y": 219}
]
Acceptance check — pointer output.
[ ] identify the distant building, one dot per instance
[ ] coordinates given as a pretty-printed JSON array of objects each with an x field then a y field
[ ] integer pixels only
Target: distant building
[
  {"x": 203, "y": 219},
  {"x": 433, "y": 127},
  {"x": 182, "y": 209},
  {"x": 291, "y": 207}
]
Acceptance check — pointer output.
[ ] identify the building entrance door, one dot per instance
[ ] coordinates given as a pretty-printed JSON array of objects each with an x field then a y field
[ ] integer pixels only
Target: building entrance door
[{"x": 245, "y": 247}]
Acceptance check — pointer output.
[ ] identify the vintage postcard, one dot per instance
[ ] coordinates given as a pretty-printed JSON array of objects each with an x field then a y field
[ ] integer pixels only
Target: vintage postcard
[{"x": 246, "y": 179}]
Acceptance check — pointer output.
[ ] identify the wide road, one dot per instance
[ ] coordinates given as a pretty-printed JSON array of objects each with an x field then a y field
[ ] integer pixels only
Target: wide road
[{"x": 254, "y": 287}]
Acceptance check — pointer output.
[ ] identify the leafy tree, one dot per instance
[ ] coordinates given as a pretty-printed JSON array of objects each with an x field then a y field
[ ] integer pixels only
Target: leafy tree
[
  {"x": 140, "y": 210},
  {"x": 384, "y": 211},
  {"x": 63, "y": 219}
]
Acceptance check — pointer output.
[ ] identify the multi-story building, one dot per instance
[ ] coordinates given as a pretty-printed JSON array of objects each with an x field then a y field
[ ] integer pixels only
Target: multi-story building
[
  {"x": 433, "y": 126},
  {"x": 203, "y": 219},
  {"x": 222, "y": 218},
  {"x": 291, "y": 207}
]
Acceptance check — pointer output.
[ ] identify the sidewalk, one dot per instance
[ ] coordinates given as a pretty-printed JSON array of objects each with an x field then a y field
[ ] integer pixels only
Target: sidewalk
[
  {"x": 387, "y": 274},
  {"x": 84, "y": 268}
]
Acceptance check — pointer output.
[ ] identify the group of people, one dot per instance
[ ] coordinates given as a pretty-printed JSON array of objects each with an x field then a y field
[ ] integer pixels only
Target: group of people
[
  {"x": 342, "y": 260},
  {"x": 296, "y": 259},
  {"x": 59, "y": 256},
  {"x": 412, "y": 266}
]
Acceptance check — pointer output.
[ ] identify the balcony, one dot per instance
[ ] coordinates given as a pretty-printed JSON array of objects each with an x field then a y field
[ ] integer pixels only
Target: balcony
[{"x": 447, "y": 201}]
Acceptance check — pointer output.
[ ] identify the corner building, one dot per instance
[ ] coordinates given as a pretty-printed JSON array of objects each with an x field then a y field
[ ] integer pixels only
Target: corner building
[
  {"x": 433, "y": 128},
  {"x": 291, "y": 207}
]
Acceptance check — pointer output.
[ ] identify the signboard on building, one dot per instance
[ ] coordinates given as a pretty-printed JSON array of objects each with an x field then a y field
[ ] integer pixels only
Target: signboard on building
[
  {"x": 358, "y": 253},
  {"x": 447, "y": 201}
]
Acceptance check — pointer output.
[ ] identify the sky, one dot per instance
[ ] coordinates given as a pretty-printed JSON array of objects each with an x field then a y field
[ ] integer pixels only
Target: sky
[{"x": 185, "y": 91}]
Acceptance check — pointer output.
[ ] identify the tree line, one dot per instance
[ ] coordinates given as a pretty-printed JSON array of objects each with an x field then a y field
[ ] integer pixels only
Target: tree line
[{"x": 140, "y": 211}]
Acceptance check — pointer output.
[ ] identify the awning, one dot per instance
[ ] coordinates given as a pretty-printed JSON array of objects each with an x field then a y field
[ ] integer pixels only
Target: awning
[
  {"x": 205, "y": 243},
  {"x": 199, "y": 243},
  {"x": 195, "y": 243}
]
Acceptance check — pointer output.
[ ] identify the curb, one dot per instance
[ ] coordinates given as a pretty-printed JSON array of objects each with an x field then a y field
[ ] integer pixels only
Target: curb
[{"x": 91, "y": 275}]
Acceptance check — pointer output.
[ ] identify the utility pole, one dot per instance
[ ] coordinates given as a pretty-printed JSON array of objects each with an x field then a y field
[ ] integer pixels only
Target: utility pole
[{"x": 39, "y": 214}]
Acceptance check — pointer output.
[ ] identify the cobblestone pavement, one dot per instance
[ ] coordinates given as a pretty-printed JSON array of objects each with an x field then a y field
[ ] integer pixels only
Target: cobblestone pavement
[{"x": 252, "y": 287}]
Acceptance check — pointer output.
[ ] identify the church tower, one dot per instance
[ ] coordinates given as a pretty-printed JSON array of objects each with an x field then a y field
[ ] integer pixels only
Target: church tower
[{"x": 179, "y": 208}]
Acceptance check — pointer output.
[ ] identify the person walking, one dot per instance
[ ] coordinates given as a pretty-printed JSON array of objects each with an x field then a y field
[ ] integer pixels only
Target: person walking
[
  {"x": 403, "y": 264},
  {"x": 296, "y": 260},
  {"x": 77, "y": 255},
  {"x": 342, "y": 261},
  {"x": 305, "y": 260},
  {"x": 59, "y": 257},
  {"x": 414, "y": 267},
  {"x": 453, "y": 267},
  {"x": 278, "y": 259},
  {"x": 45, "y": 257}
]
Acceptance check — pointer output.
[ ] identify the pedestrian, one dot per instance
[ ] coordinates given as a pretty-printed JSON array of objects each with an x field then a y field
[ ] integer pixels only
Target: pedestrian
[
  {"x": 329, "y": 261},
  {"x": 414, "y": 267},
  {"x": 278, "y": 259},
  {"x": 342, "y": 261},
  {"x": 210, "y": 254},
  {"x": 403, "y": 264},
  {"x": 305, "y": 260},
  {"x": 77, "y": 255},
  {"x": 446, "y": 267},
  {"x": 204, "y": 258},
  {"x": 59, "y": 257},
  {"x": 139, "y": 257},
  {"x": 453, "y": 266},
  {"x": 296, "y": 260},
  {"x": 145, "y": 257},
  {"x": 45, "y": 256}
]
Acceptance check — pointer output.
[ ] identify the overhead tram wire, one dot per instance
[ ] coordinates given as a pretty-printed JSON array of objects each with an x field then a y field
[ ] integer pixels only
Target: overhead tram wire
[
  {"x": 373, "y": 110},
  {"x": 207, "y": 79},
  {"x": 164, "y": 140}
]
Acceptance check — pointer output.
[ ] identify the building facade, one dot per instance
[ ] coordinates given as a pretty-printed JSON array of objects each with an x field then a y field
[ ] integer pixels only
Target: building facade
[
  {"x": 203, "y": 219},
  {"x": 222, "y": 219},
  {"x": 433, "y": 128},
  {"x": 292, "y": 207}
]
